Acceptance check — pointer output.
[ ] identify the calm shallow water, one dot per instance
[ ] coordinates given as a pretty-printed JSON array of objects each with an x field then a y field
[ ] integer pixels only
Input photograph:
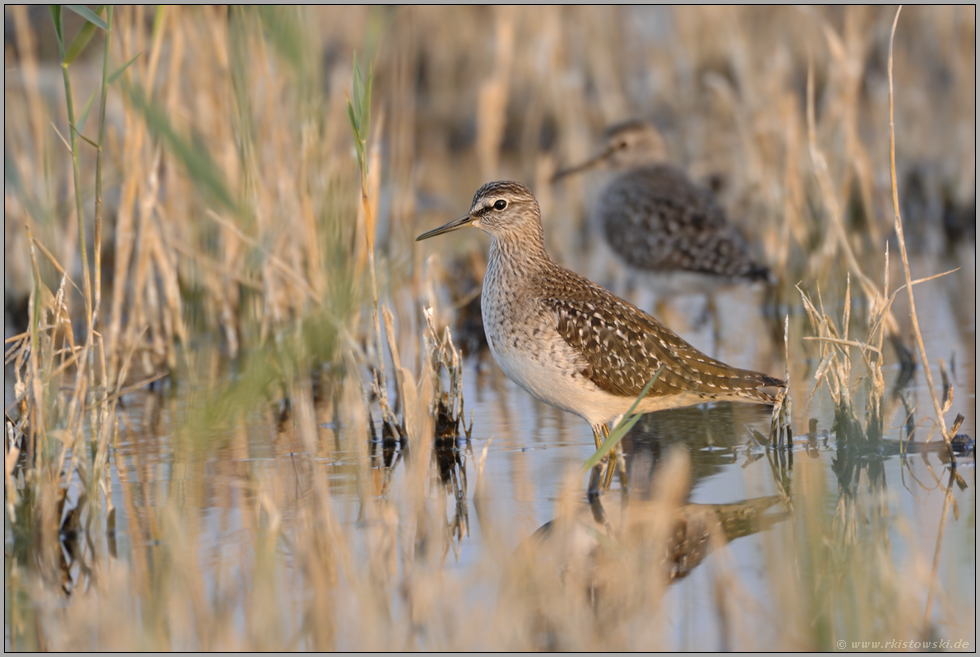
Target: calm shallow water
[
  {"x": 534, "y": 450},
  {"x": 160, "y": 484}
]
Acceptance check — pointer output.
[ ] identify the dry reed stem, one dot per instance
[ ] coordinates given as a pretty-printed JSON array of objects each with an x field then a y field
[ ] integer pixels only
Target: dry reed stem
[
  {"x": 900, "y": 236},
  {"x": 370, "y": 181},
  {"x": 97, "y": 243}
]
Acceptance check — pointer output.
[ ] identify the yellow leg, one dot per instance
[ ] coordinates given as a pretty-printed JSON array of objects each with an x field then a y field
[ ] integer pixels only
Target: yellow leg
[
  {"x": 610, "y": 462},
  {"x": 607, "y": 477},
  {"x": 614, "y": 462}
]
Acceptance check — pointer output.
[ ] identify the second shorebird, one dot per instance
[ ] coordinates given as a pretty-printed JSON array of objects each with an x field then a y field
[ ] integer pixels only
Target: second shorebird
[
  {"x": 573, "y": 344},
  {"x": 658, "y": 221}
]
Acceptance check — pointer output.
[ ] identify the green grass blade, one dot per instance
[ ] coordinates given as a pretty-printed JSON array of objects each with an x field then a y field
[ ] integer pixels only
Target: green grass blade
[
  {"x": 202, "y": 169},
  {"x": 91, "y": 16},
  {"x": 358, "y": 109},
  {"x": 366, "y": 106},
  {"x": 84, "y": 138},
  {"x": 353, "y": 118},
  {"x": 122, "y": 69},
  {"x": 621, "y": 430},
  {"x": 357, "y": 138},
  {"x": 78, "y": 44},
  {"x": 283, "y": 27},
  {"x": 158, "y": 17},
  {"x": 58, "y": 30},
  {"x": 83, "y": 116},
  {"x": 624, "y": 425}
]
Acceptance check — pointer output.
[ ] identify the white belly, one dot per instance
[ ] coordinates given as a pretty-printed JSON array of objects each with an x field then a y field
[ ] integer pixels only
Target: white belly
[{"x": 550, "y": 370}]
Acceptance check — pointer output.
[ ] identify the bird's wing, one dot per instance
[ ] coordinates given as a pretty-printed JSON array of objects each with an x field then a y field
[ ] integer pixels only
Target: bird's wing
[
  {"x": 657, "y": 219},
  {"x": 622, "y": 347}
]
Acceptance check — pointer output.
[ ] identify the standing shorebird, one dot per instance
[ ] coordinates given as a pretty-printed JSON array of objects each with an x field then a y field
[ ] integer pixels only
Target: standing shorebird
[
  {"x": 573, "y": 344},
  {"x": 658, "y": 221}
]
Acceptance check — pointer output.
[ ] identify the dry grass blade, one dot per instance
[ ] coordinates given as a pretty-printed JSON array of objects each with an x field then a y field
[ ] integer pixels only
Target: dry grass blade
[
  {"x": 846, "y": 343},
  {"x": 835, "y": 368}
]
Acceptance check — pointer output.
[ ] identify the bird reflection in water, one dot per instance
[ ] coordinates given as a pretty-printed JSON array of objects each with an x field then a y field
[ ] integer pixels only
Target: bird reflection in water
[{"x": 711, "y": 435}]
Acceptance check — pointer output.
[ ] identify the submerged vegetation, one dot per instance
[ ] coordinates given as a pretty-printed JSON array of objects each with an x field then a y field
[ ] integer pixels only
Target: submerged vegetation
[{"x": 234, "y": 402}]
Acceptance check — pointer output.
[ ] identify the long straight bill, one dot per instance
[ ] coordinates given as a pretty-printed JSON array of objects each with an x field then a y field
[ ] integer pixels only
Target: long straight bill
[
  {"x": 455, "y": 224},
  {"x": 585, "y": 166}
]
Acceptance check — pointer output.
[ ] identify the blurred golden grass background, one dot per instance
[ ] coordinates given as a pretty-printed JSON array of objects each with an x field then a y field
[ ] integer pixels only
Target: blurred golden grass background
[
  {"x": 463, "y": 96},
  {"x": 230, "y": 266}
]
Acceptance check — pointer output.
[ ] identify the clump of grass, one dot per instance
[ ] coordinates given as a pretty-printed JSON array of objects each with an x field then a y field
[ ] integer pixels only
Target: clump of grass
[
  {"x": 835, "y": 363},
  {"x": 46, "y": 355},
  {"x": 834, "y": 372},
  {"x": 447, "y": 404}
]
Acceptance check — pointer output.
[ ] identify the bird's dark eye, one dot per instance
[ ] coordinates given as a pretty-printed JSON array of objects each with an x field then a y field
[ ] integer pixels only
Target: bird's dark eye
[
  {"x": 500, "y": 204},
  {"x": 621, "y": 144}
]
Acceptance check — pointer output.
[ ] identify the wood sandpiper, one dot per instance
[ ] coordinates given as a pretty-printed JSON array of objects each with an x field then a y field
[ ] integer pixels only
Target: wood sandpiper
[
  {"x": 658, "y": 221},
  {"x": 573, "y": 344}
]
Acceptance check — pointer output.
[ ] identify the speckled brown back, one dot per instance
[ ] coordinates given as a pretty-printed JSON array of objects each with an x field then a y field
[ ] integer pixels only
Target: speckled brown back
[
  {"x": 624, "y": 346},
  {"x": 656, "y": 219}
]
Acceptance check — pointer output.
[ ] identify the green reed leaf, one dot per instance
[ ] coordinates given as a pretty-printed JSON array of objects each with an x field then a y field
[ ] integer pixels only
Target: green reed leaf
[
  {"x": 122, "y": 69},
  {"x": 91, "y": 16},
  {"x": 624, "y": 425},
  {"x": 202, "y": 169}
]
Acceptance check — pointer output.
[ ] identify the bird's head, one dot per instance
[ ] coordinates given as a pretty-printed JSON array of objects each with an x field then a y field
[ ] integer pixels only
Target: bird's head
[
  {"x": 499, "y": 209},
  {"x": 624, "y": 145}
]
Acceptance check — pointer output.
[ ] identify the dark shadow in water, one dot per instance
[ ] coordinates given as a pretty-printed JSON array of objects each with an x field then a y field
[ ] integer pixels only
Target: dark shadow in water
[
  {"x": 449, "y": 453},
  {"x": 450, "y": 449},
  {"x": 57, "y": 552}
]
